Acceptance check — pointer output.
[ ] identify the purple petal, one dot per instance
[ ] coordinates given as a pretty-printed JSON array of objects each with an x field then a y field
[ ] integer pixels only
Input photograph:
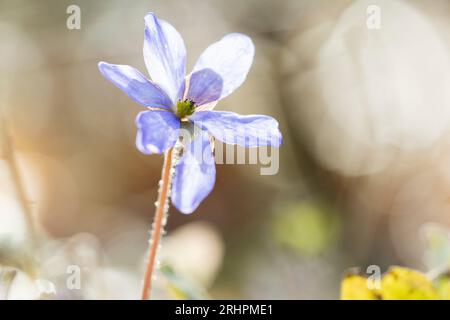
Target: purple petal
[
  {"x": 157, "y": 131},
  {"x": 135, "y": 85},
  {"x": 231, "y": 58},
  {"x": 232, "y": 128},
  {"x": 205, "y": 86},
  {"x": 195, "y": 175},
  {"x": 164, "y": 55}
]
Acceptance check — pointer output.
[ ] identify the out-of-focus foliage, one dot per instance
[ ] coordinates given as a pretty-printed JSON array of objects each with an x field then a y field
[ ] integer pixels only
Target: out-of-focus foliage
[
  {"x": 15, "y": 216},
  {"x": 406, "y": 284},
  {"x": 437, "y": 246},
  {"x": 194, "y": 251},
  {"x": 307, "y": 227},
  {"x": 443, "y": 287},
  {"x": 6, "y": 278},
  {"x": 16, "y": 284},
  {"x": 181, "y": 288},
  {"x": 397, "y": 284},
  {"x": 354, "y": 287}
]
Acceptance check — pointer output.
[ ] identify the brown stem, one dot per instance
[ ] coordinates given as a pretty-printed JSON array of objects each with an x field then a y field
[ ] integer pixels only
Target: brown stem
[{"x": 158, "y": 224}]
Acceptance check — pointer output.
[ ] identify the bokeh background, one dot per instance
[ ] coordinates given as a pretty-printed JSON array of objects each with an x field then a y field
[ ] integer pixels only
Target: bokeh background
[{"x": 364, "y": 166}]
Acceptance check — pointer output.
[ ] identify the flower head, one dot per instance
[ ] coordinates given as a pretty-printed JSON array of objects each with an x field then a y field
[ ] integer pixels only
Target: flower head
[{"x": 173, "y": 98}]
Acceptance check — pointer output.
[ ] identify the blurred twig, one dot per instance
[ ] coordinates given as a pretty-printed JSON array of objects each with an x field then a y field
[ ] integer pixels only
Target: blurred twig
[
  {"x": 7, "y": 277},
  {"x": 7, "y": 152}
]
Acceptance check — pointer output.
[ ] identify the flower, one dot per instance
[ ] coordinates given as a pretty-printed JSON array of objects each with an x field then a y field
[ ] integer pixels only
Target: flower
[{"x": 173, "y": 99}]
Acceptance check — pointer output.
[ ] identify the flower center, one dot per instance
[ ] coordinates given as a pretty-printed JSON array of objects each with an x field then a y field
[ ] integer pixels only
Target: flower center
[{"x": 185, "y": 108}]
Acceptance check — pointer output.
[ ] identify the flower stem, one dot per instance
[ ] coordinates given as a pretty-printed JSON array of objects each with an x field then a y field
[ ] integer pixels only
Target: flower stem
[{"x": 159, "y": 222}]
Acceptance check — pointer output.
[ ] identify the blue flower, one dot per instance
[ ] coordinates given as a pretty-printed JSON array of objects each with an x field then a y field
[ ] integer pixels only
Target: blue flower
[{"x": 172, "y": 99}]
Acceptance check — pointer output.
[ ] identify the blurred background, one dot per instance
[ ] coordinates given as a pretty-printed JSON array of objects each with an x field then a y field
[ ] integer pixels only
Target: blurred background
[{"x": 363, "y": 170}]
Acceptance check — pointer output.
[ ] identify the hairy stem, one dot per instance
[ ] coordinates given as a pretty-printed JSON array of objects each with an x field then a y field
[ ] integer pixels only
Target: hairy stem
[{"x": 162, "y": 206}]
